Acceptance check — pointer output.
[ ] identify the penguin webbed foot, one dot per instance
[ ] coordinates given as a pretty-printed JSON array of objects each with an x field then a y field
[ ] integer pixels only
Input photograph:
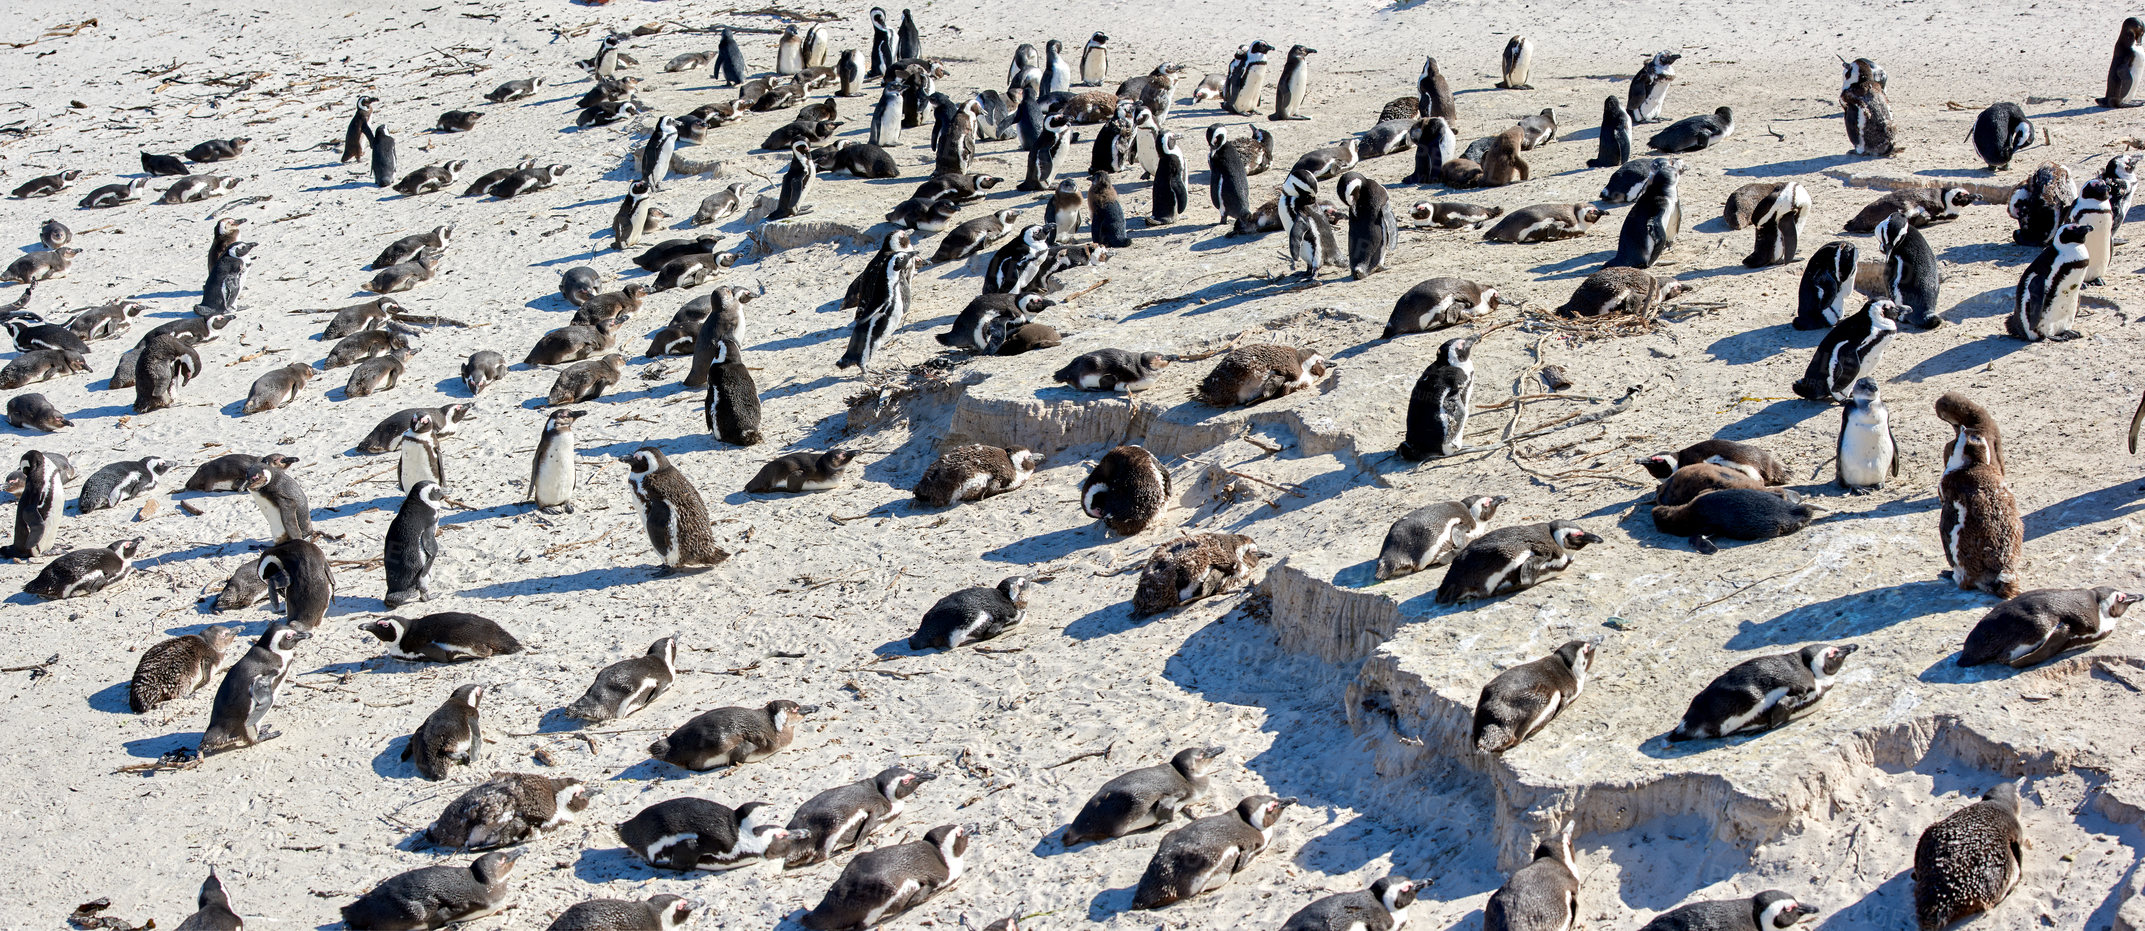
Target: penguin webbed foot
[
  {"x": 1704, "y": 545},
  {"x": 2065, "y": 336}
]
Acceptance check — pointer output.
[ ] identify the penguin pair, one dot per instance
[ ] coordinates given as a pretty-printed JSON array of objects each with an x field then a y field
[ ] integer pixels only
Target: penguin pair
[{"x": 697, "y": 834}]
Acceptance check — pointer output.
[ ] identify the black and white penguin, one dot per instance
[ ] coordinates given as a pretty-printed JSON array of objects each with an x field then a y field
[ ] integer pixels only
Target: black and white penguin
[
  {"x": 842, "y": 817},
  {"x": 983, "y": 324},
  {"x": 1733, "y": 513},
  {"x": 177, "y": 667},
  {"x": 434, "y": 896},
  {"x": 1112, "y": 370},
  {"x": 120, "y": 482},
  {"x": 1827, "y": 280},
  {"x": 731, "y": 736},
  {"x": 1056, "y": 75},
  {"x": 975, "y": 472},
  {"x": 1295, "y": 81},
  {"x": 1999, "y": 133},
  {"x": 1436, "y": 304},
  {"x": 212, "y": 909},
  {"x": 732, "y": 407},
  {"x": 1192, "y": 567},
  {"x": 1433, "y": 94},
  {"x": 1453, "y": 214},
  {"x": 1549, "y": 223},
  {"x": 113, "y": 195},
  {"x": 883, "y": 883},
  {"x": 1382, "y": 907},
  {"x": 47, "y": 185},
  {"x": 508, "y": 808},
  {"x": 1522, "y": 700},
  {"x": 1435, "y": 144},
  {"x": 1126, "y": 491},
  {"x": 2045, "y": 304},
  {"x": 1428, "y": 536},
  {"x": 1649, "y": 87},
  {"x": 1095, "y": 61},
  {"x": 1541, "y": 896},
  {"x": 1655, "y": 220},
  {"x": 1693, "y": 133},
  {"x": 1518, "y": 64},
  {"x": 1204, "y": 855},
  {"x": 627, "y": 224},
  {"x": 1849, "y": 352},
  {"x": 1970, "y": 861},
  {"x": 1373, "y": 231},
  {"x": 165, "y": 363},
  {"x": 1867, "y": 454},
  {"x": 797, "y": 183},
  {"x": 1910, "y": 272},
  {"x": 1771, "y": 910},
  {"x": 1614, "y": 147},
  {"x": 910, "y": 40},
  {"x": 1868, "y": 112},
  {"x": 882, "y": 302},
  {"x": 1511, "y": 559},
  {"x": 35, "y": 412},
  {"x": 1778, "y": 218},
  {"x": 729, "y": 60},
  {"x": 37, "y": 508},
  {"x": 282, "y": 500},
  {"x": 1763, "y": 693},
  {"x": 2121, "y": 175},
  {"x": 383, "y": 156},
  {"x": 452, "y": 735},
  {"x": 882, "y": 45},
  {"x": 250, "y": 688},
  {"x": 849, "y": 75},
  {"x": 672, "y": 511},
  {"x": 2127, "y": 67},
  {"x": 2095, "y": 211},
  {"x": 1146, "y": 797},
  {"x": 552, "y": 476},
  {"x": 301, "y": 583},
  {"x": 1439, "y": 404},
  {"x": 973, "y": 236},
  {"x": 2037, "y": 626},
  {"x": 80, "y": 573},
  {"x": 659, "y": 913},
  {"x": 2040, "y": 202},
  {"x": 697, "y": 834},
  {"x": 446, "y": 637},
  {"x": 628, "y": 685},
  {"x": 420, "y": 456},
  {"x": 798, "y": 472},
  {"x": 1310, "y": 234}
]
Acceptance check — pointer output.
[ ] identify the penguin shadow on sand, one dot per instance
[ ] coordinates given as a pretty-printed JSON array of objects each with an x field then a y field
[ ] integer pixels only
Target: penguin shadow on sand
[
  {"x": 1882, "y": 906},
  {"x": 390, "y": 762},
  {"x": 1796, "y": 166},
  {"x": 117, "y": 698},
  {"x": 1578, "y": 266},
  {"x": 453, "y": 387},
  {"x": 1775, "y": 418},
  {"x": 1999, "y": 254},
  {"x": 110, "y": 410},
  {"x": 1110, "y": 903},
  {"x": 838, "y": 331},
  {"x": 162, "y": 745},
  {"x": 1963, "y": 357},
  {"x": 599, "y": 865},
  {"x": 1758, "y": 344},
  {"x": 354, "y": 184},
  {"x": 1856, "y": 614},
  {"x": 1058, "y": 544},
  {"x": 2120, "y": 500}
]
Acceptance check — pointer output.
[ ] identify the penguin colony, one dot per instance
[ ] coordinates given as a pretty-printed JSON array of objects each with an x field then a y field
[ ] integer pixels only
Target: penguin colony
[{"x": 1712, "y": 489}]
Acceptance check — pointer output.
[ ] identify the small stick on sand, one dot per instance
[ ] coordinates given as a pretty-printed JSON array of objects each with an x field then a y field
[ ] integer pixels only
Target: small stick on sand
[{"x": 1077, "y": 757}]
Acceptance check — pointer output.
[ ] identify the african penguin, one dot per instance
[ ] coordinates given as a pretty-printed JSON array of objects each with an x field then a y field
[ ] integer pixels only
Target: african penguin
[
  {"x": 1541, "y": 896},
  {"x": 1867, "y": 454},
  {"x": 1827, "y": 281},
  {"x": 697, "y": 834},
  {"x": 301, "y": 583},
  {"x": 673, "y": 513},
  {"x": 890, "y": 880},
  {"x": 973, "y": 615},
  {"x": 450, "y": 736},
  {"x": 1428, "y": 536},
  {"x": 1771, "y": 910},
  {"x": 1969, "y": 862},
  {"x": 628, "y": 685},
  {"x": 250, "y": 688},
  {"x": 507, "y": 809},
  {"x": 1204, "y": 855},
  {"x": 1849, "y": 352},
  {"x": 2040, "y": 625},
  {"x": 1763, "y": 693},
  {"x": 1978, "y": 521},
  {"x": 731, "y": 736},
  {"x": 177, "y": 667},
  {"x": 1439, "y": 404},
  {"x": 434, "y": 896},
  {"x": 446, "y": 637},
  {"x": 1511, "y": 559},
  {"x": 975, "y": 472},
  {"x": 842, "y": 817},
  {"x": 1192, "y": 567},
  {"x": 84, "y": 572},
  {"x": 552, "y": 476},
  {"x": 1145, "y": 797}
]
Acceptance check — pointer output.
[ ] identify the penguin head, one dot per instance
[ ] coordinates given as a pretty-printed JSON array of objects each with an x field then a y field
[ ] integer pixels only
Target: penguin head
[
  {"x": 570, "y": 794},
  {"x": 1457, "y": 351},
  {"x": 563, "y": 418},
  {"x": 1883, "y": 314},
  {"x": 2113, "y": 603},
  {"x": 257, "y": 477},
  {"x": 2004, "y": 794},
  {"x": 834, "y": 460},
  {"x": 1262, "y": 811},
  {"x": 1482, "y": 507},
  {"x": 1557, "y": 847},
  {"x": 1024, "y": 459},
  {"x": 896, "y": 783},
  {"x": 218, "y": 637},
  {"x": 1774, "y": 910},
  {"x": 468, "y": 696},
  {"x": 1098, "y": 39},
  {"x": 951, "y": 840},
  {"x": 1195, "y": 762},
  {"x": 492, "y": 868},
  {"x": 645, "y": 460},
  {"x": 1395, "y": 893},
  {"x": 431, "y": 494},
  {"x": 279, "y": 461},
  {"x": 1015, "y": 589},
  {"x": 281, "y": 638},
  {"x": 2072, "y": 234},
  {"x": 1578, "y": 655},
  {"x": 671, "y": 911},
  {"x": 127, "y": 548},
  {"x": 1825, "y": 659},
  {"x": 784, "y": 713},
  {"x": 1865, "y": 390},
  {"x": 1571, "y": 536},
  {"x": 389, "y": 629}
]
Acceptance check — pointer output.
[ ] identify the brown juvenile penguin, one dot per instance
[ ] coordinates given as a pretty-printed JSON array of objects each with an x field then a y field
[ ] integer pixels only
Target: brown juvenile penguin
[{"x": 1504, "y": 165}]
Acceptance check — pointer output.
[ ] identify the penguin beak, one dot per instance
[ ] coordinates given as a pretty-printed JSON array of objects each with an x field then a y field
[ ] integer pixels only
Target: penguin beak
[
  {"x": 301, "y": 635},
  {"x": 807, "y": 709}
]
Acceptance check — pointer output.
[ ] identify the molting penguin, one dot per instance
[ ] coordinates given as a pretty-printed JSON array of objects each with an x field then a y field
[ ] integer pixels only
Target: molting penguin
[
  {"x": 1541, "y": 896},
  {"x": 277, "y": 388},
  {"x": 1258, "y": 373},
  {"x": 731, "y": 736},
  {"x": 1763, "y": 693},
  {"x": 975, "y": 472},
  {"x": 1429, "y": 536},
  {"x": 1849, "y": 352},
  {"x": 1522, "y": 700},
  {"x": 434, "y": 896},
  {"x": 1969, "y": 862},
  {"x": 628, "y": 685},
  {"x": 1771, "y": 910},
  {"x": 1440, "y": 402},
  {"x": 1146, "y": 797},
  {"x": 80, "y": 573},
  {"x": 1979, "y": 522},
  {"x": 450, "y": 736},
  {"x": 697, "y": 834},
  {"x": 1204, "y": 855},
  {"x": 177, "y": 667},
  {"x": 842, "y": 817},
  {"x": 1512, "y": 559},
  {"x": 2038, "y": 626},
  {"x": 508, "y": 808},
  {"x": 882, "y": 883},
  {"x": 1192, "y": 567},
  {"x": 1868, "y": 112},
  {"x": 1963, "y": 414},
  {"x": 672, "y": 512},
  {"x": 1621, "y": 291},
  {"x": 1127, "y": 490},
  {"x": 250, "y": 688},
  {"x": 446, "y": 637},
  {"x": 1435, "y": 145},
  {"x": 1867, "y": 454}
]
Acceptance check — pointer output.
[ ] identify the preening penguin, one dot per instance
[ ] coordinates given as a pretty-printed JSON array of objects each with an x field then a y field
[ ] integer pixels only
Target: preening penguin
[
  {"x": 1204, "y": 855},
  {"x": 1828, "y": 279},
  {"x": 177, "y": 667},
  {"x": 1649, "y": 87},
  {"x": 1910, "y": 272},
  {"x": 2038, "y": 626},
  {"x": 1870, "y": 130},
  {"x": 1655, "y": 220},
  {"x": 1867, "y": 454},
  {"x": 1192, "y": 567},
  {"x": 672, "y": 511},
  {"x": 446, "y": 637},
  {"x": 1440, "y": 402},
  {"x": 249, "y": 690},
  {"x": 1522, "y": 700},
  {"x": 1763, "y": 693},
  {"x": 80, "y": 573},
  {"x": 1373, "y": 231},
  {"x": 506, "y": 809},
  {"x": 1771, "y": 910},
  {"x": 1428, "y": 536},
  {"x": 1969, "y": 862},
  {"x": 842, "y": 817},
  {"x": 882, "y": 883},
  {"x": 301, "y": 583},
  {"x": 434, "y": 896},
  {"x": 731, "y": 736},
  {"x": 1999, "y": 133},
  {"x": 1127, "y": 490},
  {"x": 732, "y": 407},
  {"x": 697, "y": 834},
  {"x": 450, "y": 736},
  {"x": 1511, "y": 559},
  {"x": 628, "y": 685},
  {"x": 1438, "y": 303},
  {"x": 1518, "y": 64},
  {"x": 1778, "y": 218},
  {"x": 976, "y": 472},
  {"x": 1849, "y": 352},
  {"x": 1541, "y": 896},
  {"x": 972, "y": 615},
  {"x": 1146, "y": 797},
  {"x": 1963, "y": 414}
]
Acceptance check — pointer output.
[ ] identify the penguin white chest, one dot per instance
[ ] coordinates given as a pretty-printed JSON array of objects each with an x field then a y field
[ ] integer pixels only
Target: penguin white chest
[
  {"x": 1865, "y": 450},
  {"x": 554, "y": 473},
  {"x": 417, "y": 466},
  {"x": 273, "y": 514}
]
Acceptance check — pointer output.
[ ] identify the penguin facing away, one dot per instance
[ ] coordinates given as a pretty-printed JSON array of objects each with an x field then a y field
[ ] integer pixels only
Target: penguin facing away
[
  {"x": 1204, "y": 855},
  {"x": 1522, "y": 700},
  {"x": 450, "y": 736},
  {"x": 882, "y": 883},
  {"x": 1542, "y": 895},
  {"x": 1970, "y": 861}
]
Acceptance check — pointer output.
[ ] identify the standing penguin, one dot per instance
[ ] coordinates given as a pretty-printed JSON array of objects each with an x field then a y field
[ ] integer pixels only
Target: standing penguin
[
  {"x": 1655, "y": 220},
  {"x": 1145, "y": 797},
  {"x": 412, "y": 545},
  {"x": 301, "y": 583},
  {"x": 849, "y": 75},
  {"x": 1649, "y": 87},
  {"x": 628, "y": 685},
  {"x": 450, "y": 736},
  {"x": 383, "y": 157},
  {"x": 729, "y": 60},
  {"x": 882, "y": 304},
  {"x": 213, "y": 911},
  {"x": 1310, "y": 234},
  {"x": 1763, "y": 693},
  {"x": 631, "y": 219},
  {"x": 1057, "y": 75},
  {"x": 1204, "y": 855},
  {"x": 1439, "y": 404},
  {"x": 911, "y": 40},
  {"x": 1614, "y": 148},
  {"x": 2045, "y": 304},
  {"x": 1543, "y": 895},
  {"x": 249, "y": 690},
  {"x": 671, "y": 509},
  {"x": 789, "y": 51},
  {"x": 359, "y": 131},
  {"x": 1522, "y": 700},
  {"x": 1511, "y": 559},
  {"x": 1870, "y": 130},
  {"x": 1910, "y": 271},
  {"x": 1295, "y": 82},
  {"x": 2128, "y": 65},
  {"x": 1518, "y": 64},
  {"x": 1248, "y": 82},
  {"x": 1171, "y": 181},
  {"x": 1821, "y": 298},
  {"x": 1107, "y": 212},
  {"x": 1867, "y": 453},
  {"x": 1778, "y": 218},
  {"x": 1979, "y": 523},
  {"x": 1127, "y": 490},
  {"x": 2094, "y": 210},
  {"x": 1969, "y": 862},
  {"x": 2038, "y": 626},
  {"x": 37, "y": 508},
  {"x": 1095, "y": 61},
  {"x": 420, "y": 457},
  {"x": 281, "y": 499},
  {"x": 886, "y": 882},
  {"x": 1999, "y": 133},
  {"x": 882, "y": 45},
  {"x": 1849, "y": 352},
  {"x": 732, "y": 408},
  {"x": 797, "y": 183},
  {"x": 551, "y": 479},
  {"x": 655, "y": 154},
  {"x": 1373, "y": 231},
  {"x": 1433, "y": 95}
]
